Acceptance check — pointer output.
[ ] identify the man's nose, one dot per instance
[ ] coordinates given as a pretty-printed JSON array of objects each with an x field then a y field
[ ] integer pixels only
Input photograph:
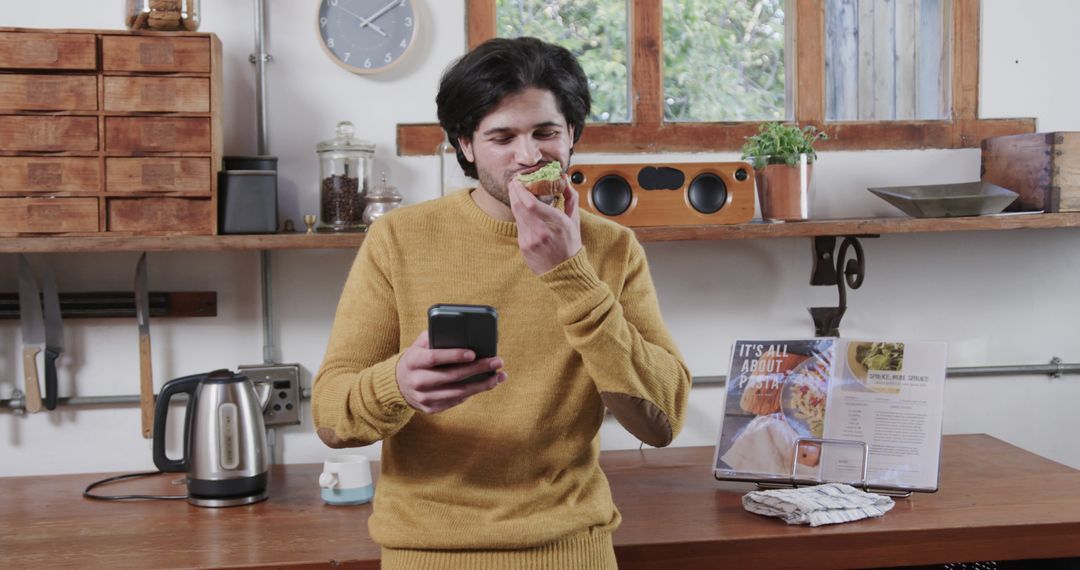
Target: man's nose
[{"x": 527, "y": 151}]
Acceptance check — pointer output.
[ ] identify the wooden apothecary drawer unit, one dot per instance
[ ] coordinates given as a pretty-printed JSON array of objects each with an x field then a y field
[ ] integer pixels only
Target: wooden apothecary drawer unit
[
  {"x": 157, "y": 94},
  {"x": 28, "y": 92},
  {"x": 46, "y": 133},
  {"x": 47, "y": 50},
  {"x": 109, "y": 132},
  {"x": 134, "y": 175},
  {"x": 41, "y": 175},
  {"x": 50, "y": 215}
]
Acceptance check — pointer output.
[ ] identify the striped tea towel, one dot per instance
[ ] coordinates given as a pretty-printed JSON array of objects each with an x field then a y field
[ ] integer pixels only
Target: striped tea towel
[{"x": 818, "y": 505}]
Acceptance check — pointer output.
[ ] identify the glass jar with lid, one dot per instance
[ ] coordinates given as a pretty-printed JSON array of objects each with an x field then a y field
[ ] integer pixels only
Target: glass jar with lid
[
  {"x": 381, "y": 200},
  {"x": 344, "y": 179},
  {"x": 162, "y": 15}
]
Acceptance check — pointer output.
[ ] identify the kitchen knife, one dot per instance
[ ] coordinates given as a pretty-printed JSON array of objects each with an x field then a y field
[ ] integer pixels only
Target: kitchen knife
[
  {"x": 33, "y": 333},
  {"x": 146, "y": 376},
  {"x": 54, "y": 335}
]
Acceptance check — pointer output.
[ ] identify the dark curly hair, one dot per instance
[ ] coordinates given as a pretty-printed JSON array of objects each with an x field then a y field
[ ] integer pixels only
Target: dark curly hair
[{"x": 477, "y": 82}]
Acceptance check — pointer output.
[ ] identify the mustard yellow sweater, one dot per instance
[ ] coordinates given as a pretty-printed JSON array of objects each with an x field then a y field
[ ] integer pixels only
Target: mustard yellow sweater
[{"x": 511, "y": 476}]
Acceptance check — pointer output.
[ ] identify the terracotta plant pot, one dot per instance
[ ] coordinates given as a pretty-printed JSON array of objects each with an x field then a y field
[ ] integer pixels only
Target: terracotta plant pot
[{"x": 784, "y": 191}]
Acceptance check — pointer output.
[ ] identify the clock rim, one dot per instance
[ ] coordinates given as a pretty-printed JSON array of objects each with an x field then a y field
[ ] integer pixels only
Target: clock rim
[{"x": 369, "y": 70}]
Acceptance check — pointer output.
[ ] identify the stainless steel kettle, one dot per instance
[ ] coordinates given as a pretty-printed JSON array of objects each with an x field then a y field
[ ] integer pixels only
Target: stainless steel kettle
[{"x": 225, "y": 453}]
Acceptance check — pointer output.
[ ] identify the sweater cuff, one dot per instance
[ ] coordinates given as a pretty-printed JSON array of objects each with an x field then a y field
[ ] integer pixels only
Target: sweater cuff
[
  {"x": 384, "y": 382},
  {"x": 576, "y": 286}
]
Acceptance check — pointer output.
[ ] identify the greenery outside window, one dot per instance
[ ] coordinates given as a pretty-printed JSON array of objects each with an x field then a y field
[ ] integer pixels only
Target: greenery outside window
[
  {"x": 655, "y": 124},
  {"x": 725, "y": 60},
  {"x": 595, "y": 31}
]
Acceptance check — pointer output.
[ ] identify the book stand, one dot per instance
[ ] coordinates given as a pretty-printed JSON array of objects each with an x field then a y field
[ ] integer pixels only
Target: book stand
[{"x": 796, "y": 481}]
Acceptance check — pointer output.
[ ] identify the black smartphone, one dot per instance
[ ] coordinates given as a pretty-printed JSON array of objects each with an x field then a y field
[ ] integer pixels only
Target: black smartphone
[{"x": 475, "y": 327}]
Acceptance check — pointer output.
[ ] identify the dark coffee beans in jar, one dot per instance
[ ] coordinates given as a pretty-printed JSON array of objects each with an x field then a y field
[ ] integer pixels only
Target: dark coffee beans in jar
[{"x": 342, "y": 203}]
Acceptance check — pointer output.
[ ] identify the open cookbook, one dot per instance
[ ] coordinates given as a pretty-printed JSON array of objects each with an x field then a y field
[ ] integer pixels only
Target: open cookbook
[{"x": 867, "y": 413}]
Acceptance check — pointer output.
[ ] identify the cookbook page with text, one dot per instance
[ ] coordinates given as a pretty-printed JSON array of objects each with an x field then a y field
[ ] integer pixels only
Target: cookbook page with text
[{"x": 890, "y": 395}]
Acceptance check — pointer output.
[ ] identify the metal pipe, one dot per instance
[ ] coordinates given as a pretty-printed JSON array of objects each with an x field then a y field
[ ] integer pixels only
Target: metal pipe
[
  {"x": 267, "y": 308},
  {"x": 260, "y": 59},
  {"x": 1055, "y": 369},
  {"x": 262, "y": 121}
]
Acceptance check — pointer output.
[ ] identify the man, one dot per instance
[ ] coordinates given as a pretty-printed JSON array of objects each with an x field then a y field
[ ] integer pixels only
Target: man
[{"x": 501, "y": 473}]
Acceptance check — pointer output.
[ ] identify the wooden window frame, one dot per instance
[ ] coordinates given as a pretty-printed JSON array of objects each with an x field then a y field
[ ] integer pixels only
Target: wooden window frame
[{"x": 648, "y": 133}]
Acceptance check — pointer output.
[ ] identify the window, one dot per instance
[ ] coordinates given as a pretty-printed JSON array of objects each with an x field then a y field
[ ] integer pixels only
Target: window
[
  {"x": 658, "y": 126},
  {"x": 724, "y": 61},
  {"x": 887, "y": 60},
  {"x": 595, "y": 31}
]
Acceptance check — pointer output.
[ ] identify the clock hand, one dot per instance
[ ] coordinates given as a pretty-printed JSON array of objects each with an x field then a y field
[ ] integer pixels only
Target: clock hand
[
  {"x": 381, "y": 11},
  {"x": 363, "y": 21}
]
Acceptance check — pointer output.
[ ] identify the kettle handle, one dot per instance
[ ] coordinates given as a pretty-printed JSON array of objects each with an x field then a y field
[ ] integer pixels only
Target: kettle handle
[{"x": 185, "y": 385}]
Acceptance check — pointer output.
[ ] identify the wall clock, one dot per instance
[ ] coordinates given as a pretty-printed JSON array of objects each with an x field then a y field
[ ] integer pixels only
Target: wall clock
[{"x": 367, "y": 36}]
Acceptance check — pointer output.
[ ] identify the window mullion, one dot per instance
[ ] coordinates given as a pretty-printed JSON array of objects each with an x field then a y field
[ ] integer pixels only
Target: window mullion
[
  {"x": 965, "y": 58},
  {"x": 479, "y": 21},
  {"x": 646, "y": 80},
  {"x": 810, "y": 61}
]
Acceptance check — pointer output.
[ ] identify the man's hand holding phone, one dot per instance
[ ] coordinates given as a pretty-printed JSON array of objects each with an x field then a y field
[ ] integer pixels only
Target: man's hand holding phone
[
  {"x": 430, "y": 379},
  {"x": 453, "y": 360}
]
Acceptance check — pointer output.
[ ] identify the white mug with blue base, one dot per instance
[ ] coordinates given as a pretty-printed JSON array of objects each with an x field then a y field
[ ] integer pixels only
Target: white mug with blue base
[{"x": 346, "y": 480}]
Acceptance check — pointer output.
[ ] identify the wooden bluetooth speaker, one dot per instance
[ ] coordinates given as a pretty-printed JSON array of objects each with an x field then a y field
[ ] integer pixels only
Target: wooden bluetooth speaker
[{"x": 669, "y": 194}]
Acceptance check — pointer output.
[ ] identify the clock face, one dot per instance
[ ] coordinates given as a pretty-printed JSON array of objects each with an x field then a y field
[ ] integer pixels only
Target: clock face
[{"x": 367, "y": 36}]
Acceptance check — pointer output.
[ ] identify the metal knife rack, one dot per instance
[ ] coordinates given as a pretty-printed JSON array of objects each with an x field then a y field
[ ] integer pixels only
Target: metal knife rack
[{"x": 121, "y": 304}]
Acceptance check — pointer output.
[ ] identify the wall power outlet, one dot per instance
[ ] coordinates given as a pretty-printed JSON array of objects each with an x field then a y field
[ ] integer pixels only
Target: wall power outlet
[{"x": 282, "y": 381}]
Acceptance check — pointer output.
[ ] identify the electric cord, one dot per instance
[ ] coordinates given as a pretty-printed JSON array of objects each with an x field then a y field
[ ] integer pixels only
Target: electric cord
[{"x": 86, "y": 492}]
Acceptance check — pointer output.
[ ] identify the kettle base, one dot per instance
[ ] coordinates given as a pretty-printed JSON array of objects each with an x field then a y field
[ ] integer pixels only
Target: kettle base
[{"x": 216, "y": 502}]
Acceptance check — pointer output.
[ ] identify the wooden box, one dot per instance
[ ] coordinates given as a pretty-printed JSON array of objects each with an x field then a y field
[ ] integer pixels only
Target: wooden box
[
  {"x": 47, "y": 50},
  {"x": 106, "y": 132},
  {"x": 1044, "y": 168},
  {"x": 49, "y": 215}
]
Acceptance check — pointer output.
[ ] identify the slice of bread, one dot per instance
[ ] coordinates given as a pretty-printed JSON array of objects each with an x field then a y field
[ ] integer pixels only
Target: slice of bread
[
  {"x": 546, "y": 181},
  {"x": 541, "y": 188}
]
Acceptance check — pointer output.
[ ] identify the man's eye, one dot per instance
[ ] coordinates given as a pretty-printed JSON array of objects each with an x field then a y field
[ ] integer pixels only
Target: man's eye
[
  {"x": 503, "y": 140},
  {"x": 546, "y": 134}
]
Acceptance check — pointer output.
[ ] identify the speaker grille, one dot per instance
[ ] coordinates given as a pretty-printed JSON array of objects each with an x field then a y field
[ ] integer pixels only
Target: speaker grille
[
  {"x": 707, "y": 193},
  {"x": 611, "y": 195}
]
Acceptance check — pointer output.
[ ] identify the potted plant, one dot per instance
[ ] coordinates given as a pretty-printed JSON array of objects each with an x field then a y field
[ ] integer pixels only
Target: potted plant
[{"x": 783, "y": 157}]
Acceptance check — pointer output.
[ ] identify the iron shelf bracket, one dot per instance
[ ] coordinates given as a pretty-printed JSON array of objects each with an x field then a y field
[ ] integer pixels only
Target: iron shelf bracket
[{"x": 827, "y": 272}]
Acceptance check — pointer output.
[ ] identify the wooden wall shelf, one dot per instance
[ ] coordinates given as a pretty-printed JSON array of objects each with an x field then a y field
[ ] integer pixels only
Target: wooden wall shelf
[
  {"x": 859, "y": 227},
  {"x": 757, "y": 230}
]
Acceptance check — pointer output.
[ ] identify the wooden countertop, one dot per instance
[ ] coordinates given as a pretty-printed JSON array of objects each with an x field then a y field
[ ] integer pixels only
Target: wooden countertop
[{"x": 997, "y": 502}]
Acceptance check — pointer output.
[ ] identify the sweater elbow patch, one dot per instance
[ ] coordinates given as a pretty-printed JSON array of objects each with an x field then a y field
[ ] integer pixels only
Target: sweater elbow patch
[
  {"x": 642, "y": 418},
  {"x": 331, "y": 439}
]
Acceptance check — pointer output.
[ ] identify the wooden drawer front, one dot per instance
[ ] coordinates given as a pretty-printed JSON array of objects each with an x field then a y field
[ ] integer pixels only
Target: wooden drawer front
[
  {"x": 45, "y": 174},
  {"x": 158, "y": 94},
  {"x": 158, "y": 175},
  {"x": 157, "y": 134},
  {"x": 47, "y": 51},
  {"x": 148, "y": 215},
  {"x": 45, "y": 133},
  {"x": 156, "y": 53},
  {"x": 48, "y": 92},
  {"x": 48, "y": 215}
]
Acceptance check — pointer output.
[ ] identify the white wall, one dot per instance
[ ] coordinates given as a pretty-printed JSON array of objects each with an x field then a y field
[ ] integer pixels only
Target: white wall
[{"x": 997, "y": 298}]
